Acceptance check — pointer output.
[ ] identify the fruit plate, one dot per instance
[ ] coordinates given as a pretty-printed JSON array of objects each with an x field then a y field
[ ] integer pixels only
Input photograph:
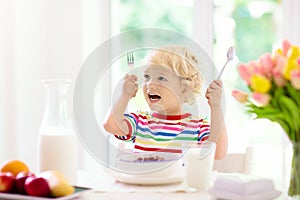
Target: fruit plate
[{"x": 78, "y": 191}]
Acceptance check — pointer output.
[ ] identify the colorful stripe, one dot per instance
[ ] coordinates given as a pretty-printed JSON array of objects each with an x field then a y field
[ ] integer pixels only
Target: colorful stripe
[
  {"x": 164, "y": 133},
  {"x": 157, "y": 149}
]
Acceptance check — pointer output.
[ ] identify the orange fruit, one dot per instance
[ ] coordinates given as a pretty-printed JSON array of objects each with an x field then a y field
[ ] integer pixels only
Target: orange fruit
[{"x": 14, "y": 166}]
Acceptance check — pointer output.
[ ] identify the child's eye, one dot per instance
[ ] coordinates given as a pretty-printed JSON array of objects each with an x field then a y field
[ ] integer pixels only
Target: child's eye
[
  {"x": 162, "y": 78},
  {"x": 146, "y": 77}
]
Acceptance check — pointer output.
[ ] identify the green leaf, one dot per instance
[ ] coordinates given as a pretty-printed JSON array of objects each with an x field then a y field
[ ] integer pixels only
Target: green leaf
[
  {"x": 292, "y": 110},
  {"x": 293, "y": 93},
  {"x": 282, "y": 110}
]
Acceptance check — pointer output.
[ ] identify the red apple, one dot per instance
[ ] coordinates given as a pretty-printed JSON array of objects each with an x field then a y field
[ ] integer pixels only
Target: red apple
[
  {"x": 20, "y": 181},
  {"x": 7, "y": 181},
  {"x": 37, "y": 186}
]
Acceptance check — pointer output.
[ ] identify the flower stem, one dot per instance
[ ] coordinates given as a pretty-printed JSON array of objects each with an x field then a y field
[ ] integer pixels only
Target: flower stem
[{"x": 294, "y": 188}]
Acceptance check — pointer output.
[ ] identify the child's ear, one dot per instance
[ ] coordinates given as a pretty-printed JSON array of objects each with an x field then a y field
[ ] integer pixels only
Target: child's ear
[
  {"x": 186, "y": 91},
  {"x": 186, "y": 88}
]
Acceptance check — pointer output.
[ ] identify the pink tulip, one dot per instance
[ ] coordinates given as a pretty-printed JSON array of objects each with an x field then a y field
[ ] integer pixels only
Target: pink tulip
[
  {"x": 285, "y": 46},
  {"x": 279, "y": 69},
  {"x": 278, "y": 78},
  {"x": 280, "y": 62},
  {"x": 295, "y": 79},
  {"x": 244, "y": 73},
  {"x": 254, "y": 68},
  {"x": 240, "y": 96},
  {"x": 266, "y": 64},
  {"x": 247, "y": 70},
  {"x": 262, "y": 99}
]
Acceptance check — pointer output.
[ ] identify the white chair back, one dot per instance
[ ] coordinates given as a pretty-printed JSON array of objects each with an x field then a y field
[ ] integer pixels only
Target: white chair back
[{"x": 236, "y": 162}]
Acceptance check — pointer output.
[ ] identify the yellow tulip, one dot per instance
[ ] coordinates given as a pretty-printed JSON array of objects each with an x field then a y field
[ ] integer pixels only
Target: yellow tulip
[
  {"x": 288, "y": 68},
  {"x": 293, "y": 52},
  {"x": 279, "y": 52},
  {"x": 260, "y": 83}
]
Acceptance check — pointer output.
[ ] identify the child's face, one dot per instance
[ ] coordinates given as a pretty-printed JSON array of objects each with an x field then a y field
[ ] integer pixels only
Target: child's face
[{"x": 163, "y": 90}]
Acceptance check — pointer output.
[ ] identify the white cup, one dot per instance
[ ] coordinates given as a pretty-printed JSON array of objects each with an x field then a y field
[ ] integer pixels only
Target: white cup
[{"x": 198, "y": 162}]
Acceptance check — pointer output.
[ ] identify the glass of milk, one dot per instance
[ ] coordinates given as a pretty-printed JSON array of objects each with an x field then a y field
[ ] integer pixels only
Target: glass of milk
[
  {"x": 57, "y": 142},
  {"x": 198, "y": 162}
]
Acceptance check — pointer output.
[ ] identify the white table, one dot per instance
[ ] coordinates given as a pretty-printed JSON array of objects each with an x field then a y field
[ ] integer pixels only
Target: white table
[
  {"x": 146, "y": 196},
  {"x": 103, "y": 179}
]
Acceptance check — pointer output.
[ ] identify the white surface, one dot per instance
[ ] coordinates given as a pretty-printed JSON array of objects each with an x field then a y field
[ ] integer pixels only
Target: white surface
[
  {"x": 106, "y": 187},
  {"x": 147, "y": 196},
  {"x": 104, "y": 182}
]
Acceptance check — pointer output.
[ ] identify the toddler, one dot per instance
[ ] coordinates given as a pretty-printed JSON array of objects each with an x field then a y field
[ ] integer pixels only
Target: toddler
[{"x": 171, "y": 78}]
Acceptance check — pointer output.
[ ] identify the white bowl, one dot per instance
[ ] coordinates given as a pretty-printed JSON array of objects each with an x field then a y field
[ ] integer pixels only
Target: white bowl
[{"x": 149, "y": 164}]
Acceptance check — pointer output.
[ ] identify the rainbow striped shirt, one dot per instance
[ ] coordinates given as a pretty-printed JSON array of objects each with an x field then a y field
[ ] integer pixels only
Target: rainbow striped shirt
[{"x": 162, "y": 133}]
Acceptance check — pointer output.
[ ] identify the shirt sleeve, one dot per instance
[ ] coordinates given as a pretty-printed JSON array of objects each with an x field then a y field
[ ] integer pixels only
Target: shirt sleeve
[
  {"x": 131, "y": 121},
  {"x": 204, "y": 129}
]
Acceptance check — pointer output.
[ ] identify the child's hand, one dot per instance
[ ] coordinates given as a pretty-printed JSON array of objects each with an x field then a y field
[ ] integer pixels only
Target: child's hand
[
  {"x": 130, "y": 87},
  {"x": 214, "y": 93}
]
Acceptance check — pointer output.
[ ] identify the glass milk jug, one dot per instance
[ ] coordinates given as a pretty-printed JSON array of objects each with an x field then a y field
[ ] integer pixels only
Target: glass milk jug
[{"x": 57, "y": 142}]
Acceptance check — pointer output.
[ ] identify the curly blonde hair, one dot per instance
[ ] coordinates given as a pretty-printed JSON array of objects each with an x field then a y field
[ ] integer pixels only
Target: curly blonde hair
[{"x": 183, "y": 63}]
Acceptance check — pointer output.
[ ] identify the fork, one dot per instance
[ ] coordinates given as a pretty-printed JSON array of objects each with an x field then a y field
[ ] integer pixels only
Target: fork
[{"x": 130, "y": 60}]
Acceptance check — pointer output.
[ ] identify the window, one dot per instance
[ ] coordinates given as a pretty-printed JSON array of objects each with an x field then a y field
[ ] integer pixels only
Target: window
[{"x": 252, "y": 27}]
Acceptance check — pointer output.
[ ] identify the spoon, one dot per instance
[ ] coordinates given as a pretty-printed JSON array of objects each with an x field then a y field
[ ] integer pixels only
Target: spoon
[{"x": 230, "y": 53}]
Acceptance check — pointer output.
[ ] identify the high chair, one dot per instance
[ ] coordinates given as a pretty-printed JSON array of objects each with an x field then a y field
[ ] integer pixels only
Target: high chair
[{"x": 236, "y": 162}]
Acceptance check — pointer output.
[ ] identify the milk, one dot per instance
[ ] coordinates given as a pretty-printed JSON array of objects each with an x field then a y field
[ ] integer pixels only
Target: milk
[
  {"x": 199, "y": 165},
  {"x": 58, "y": 151},
  {"x": 57, "y": 144}
]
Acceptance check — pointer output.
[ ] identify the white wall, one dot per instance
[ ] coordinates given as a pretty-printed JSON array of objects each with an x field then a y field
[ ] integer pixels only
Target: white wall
[
  {"x": 96, "y": 29},
  {"x": 203, "y": 25},
  {"x": 42, "y": 39},
  {"x": 291, "y": 25},
  {"x": 7, "y": 83}
]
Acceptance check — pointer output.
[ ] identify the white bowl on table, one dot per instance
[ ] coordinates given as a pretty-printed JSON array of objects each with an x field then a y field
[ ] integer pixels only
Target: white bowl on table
[{"x": 154, "y": 164}]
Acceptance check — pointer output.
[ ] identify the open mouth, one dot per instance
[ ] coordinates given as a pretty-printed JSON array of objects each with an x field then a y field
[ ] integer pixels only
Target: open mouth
[{"x": 154, "y": 98}]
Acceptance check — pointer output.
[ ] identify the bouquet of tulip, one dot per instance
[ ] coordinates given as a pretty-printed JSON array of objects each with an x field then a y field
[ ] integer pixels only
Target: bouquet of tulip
[{"x": 273, "y": 81}]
